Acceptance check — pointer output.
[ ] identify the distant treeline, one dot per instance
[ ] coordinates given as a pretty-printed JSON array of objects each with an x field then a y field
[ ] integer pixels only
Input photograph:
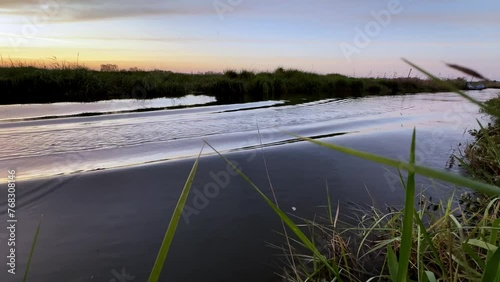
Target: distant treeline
[{"x": 41, "y": 85}]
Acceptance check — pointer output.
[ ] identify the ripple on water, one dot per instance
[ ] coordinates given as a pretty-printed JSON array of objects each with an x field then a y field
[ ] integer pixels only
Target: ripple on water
[{"x": 127, "y": 139}]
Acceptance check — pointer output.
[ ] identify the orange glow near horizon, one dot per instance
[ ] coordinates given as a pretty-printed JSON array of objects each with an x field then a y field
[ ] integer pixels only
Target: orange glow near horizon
[{"x": 192, "y": 36}]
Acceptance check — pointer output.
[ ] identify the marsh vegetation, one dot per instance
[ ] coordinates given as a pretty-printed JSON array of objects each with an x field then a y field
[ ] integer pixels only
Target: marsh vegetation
[{"x": 26, "y": 84}]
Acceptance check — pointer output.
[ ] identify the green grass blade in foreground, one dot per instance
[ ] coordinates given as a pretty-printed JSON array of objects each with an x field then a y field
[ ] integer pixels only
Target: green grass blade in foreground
[
  {"x": 467, "y": 71},
  {"x": 430, "y": 276},
  {"x": 425, "y": 234},
  {"x": 492, "y": 269},
  {"x": 483, "y": 245},
  {"x": 406, "y": 236},
  {"x": 494, "y": 233},
  {"x": 332, "y": 267},
  {"x": 392, "y": 263},
  {"x": 466, "y": 248},
  {"x": 172, "y": 226},
  {"x": 425, "y": 171},
  {"x": 32, "y": 251},
  {"x": 430, "y": 243}
]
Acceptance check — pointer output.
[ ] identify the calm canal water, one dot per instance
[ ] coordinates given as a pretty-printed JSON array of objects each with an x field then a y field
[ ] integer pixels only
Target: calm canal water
[{"x": 107, "y": 185}]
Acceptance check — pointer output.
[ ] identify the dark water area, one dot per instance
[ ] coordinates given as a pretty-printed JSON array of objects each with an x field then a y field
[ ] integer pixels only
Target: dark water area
[{"x": 120, "y": 177}]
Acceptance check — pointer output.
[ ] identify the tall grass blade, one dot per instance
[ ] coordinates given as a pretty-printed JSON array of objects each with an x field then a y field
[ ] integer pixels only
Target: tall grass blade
[
  {"x": 494, "y": 231},
  {"x": 406, "y": 236},
  {"x": 425, "y": 171},
  {"x": 32, "y": 251},
  {"x": 330, "y": 207},
  {"x": 392, "y": 261},
  {"x": 473, "y": 254},
  {"x": 486, "y": 108},
  {"x": 425, "y": 234},
  {"x": 285, "y": 232},
  {"x": 172, "y": 226},
  {"x": 483, "y": 245},
  {"x": 467, "y": 71},
  {"x": 430, "y": 276},
  {"x": 430, "y": 243},
  {"x": 492, "y": 269},
  {"x": 332, "y": 267}
]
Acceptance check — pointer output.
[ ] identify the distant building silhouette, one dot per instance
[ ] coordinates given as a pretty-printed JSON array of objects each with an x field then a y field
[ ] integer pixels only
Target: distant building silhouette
[{"x": 109, "y": 67}]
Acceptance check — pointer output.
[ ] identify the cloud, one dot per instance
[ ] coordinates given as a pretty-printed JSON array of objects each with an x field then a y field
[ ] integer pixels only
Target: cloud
[
  {"x": 17, "y": 3},
  {"x": 184, "y": 39},
  {"x": 93, "y": 10},
  {"x": 461, "y": 19}
]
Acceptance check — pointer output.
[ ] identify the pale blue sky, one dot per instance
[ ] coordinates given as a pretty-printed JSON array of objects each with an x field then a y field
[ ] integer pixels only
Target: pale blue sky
[{"x": 192, "y": 35}]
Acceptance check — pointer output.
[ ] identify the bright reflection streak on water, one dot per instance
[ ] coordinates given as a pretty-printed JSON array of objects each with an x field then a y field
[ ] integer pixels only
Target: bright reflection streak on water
[{"x": 8, "y": 112}]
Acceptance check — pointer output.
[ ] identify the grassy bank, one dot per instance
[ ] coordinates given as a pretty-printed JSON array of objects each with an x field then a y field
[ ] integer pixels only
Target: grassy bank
[
  {"x": 25, "y": 84},
  {"x": 447, "y": 243},
  {"x": 481, "y": 158},
  {"x": 491, "y": 84},
  {"x": 453, "y": 239}
]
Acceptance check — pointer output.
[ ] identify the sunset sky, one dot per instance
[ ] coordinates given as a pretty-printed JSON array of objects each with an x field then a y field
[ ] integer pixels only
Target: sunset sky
[{"x": 203, "y": 35}]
